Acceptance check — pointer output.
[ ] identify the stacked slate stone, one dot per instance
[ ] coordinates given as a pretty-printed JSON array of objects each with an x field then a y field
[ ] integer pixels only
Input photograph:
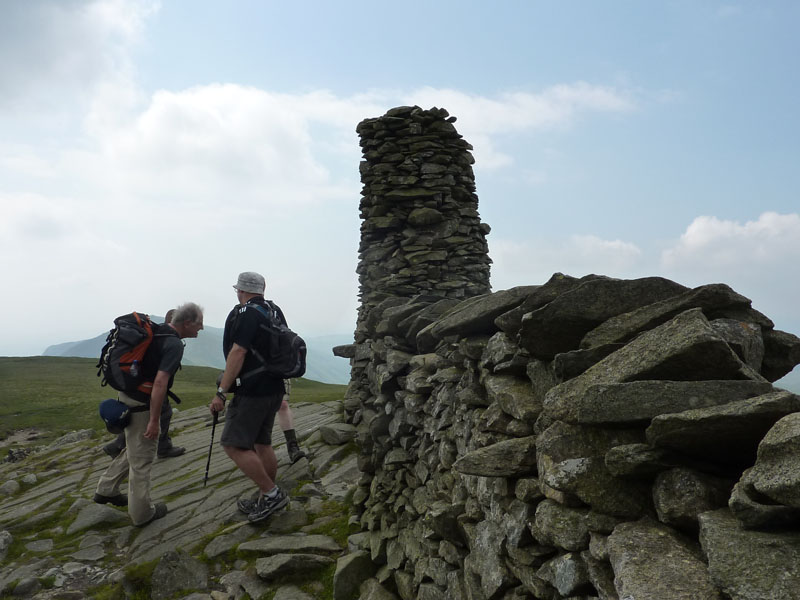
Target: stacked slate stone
[
  {"x": 586, "y": 438},
  {"x": 421, "y": 232}
]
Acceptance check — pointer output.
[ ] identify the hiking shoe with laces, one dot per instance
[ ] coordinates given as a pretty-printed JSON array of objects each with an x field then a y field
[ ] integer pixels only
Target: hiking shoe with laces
[
  {"x": 265, "y": 506},
  {"x": 118, "y": 500},
  {"x": 295, "y": 453},
  {"x": 246, "y": 505},
  {"x": 171, "y": 452},
  {"x": 159, "y": 512}
]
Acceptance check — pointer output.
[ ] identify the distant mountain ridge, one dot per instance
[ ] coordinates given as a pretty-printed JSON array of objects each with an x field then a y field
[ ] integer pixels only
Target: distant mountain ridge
[{"x": 206, "y": 351}]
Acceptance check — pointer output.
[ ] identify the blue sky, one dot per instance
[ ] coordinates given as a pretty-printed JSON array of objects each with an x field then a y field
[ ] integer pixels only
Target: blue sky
[{"x": 151, "y": 151}]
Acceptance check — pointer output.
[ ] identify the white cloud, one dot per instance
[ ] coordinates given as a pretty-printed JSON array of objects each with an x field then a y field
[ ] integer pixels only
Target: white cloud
[
  {"x": 269, "y": 149},
  {"x": 249, "y": 148},
  {"x": 481, "y": 118},
  {"x": 757, "y": 258},
  {"x": 24, "y": 216},
  {"x": 25, "y": 159},
  {"x": 54, "y": 51},
  {"x": 556, "y": 106},
  {"x": 710, "y": 242}
]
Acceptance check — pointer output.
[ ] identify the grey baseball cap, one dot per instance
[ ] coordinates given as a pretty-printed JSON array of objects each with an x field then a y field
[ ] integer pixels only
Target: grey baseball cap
[{"x": 251, "y": 282}]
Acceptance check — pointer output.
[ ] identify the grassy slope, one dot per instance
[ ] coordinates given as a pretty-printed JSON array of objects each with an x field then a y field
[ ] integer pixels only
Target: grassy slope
[{"x": 56, "y": 395}]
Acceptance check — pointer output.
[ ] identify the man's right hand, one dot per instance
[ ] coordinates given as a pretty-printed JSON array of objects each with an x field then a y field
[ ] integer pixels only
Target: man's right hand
[{"x": 217, "y": 405}]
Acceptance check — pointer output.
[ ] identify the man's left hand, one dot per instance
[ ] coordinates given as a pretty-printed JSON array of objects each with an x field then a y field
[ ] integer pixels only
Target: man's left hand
[{"x": 151, "y": 433}]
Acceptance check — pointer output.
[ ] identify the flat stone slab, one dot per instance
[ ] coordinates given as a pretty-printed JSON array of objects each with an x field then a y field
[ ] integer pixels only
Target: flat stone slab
[
  {"x": 91, "y": 554},
  {"x": 750, "y": 565},
  {"x": 289, "y": 564},
  {"x": 338, "y": 433},
  {"x": 291, "y": 592},
  {"x": 685, "y": 348},
  {"x": 277, "y": 544},
  {"x": 509, "y": 458},
  {"x": 776, "y": 473},
  {"x": 650, "y": 561},
  {"x": 729, "y": 433},
  {"x": 560, "y": 325},
  {"x": 641, "y": 401},
  {"x": 623, "y": 327},
  {"x": 96, "y": 514}
]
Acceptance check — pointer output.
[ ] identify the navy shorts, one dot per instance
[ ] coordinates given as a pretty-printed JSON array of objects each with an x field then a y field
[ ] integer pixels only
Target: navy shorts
[{"x": 249, "y": 421}]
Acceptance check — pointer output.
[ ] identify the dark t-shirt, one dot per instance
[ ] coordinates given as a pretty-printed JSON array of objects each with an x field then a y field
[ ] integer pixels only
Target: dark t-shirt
[
  {"x": 171, "y": 355},
  {"x": 164, "y": 354},
  {"x": 242, "y": 328}
]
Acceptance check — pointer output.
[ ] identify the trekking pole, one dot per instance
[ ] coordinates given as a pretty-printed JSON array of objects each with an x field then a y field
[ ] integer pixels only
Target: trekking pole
[{"x": 211, "y": 447}]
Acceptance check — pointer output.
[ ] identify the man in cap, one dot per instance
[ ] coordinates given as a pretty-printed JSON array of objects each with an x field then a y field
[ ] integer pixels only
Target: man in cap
[{"x": 250, "y": 415}]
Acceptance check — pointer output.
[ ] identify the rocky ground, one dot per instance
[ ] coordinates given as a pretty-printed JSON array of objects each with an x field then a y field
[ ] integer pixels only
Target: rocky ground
[{"x": 56, "y": 543}]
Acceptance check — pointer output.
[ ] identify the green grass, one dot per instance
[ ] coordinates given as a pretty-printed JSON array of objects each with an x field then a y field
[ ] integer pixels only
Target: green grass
[{"x": 56, "y": 395}]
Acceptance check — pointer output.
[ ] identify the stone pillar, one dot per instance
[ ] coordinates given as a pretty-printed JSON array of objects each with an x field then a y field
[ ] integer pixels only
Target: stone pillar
[{"x": 421, "y": 233}]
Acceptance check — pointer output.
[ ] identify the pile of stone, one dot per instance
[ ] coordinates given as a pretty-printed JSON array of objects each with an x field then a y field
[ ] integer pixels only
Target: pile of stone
[
  {"x": 421, "y": 232},
  {"x": 587, "y": 438}
]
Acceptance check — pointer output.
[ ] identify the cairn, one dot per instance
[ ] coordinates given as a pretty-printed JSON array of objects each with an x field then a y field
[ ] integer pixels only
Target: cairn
[{"x": 421, "y": 232}]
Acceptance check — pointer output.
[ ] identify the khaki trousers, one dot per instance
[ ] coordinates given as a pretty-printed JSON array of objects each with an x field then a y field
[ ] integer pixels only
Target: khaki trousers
[{"x": 135, "y": 462}]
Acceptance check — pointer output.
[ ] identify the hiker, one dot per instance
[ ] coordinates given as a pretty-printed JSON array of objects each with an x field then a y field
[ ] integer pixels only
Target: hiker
[
  {"x": 163, "y": 359},
  {"x": 250, "y": 416},
  {"x": 165, "y": 447}
]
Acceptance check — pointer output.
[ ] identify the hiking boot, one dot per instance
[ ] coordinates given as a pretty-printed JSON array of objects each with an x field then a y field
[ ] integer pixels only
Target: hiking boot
[
  {"x": 160, "y": 511},
  {"x": 118, "y": 500},
  {"x": 295, "y": 453},
  {"x": 112, "y": 449},
  {"x": 171, "y": 452},
  {"x": 246, "y": 505},
  {"x": 266, "y": 506}
]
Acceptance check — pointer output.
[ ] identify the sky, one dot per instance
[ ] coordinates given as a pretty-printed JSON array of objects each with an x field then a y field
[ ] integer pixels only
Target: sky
[{"x": 150, "y": 151}]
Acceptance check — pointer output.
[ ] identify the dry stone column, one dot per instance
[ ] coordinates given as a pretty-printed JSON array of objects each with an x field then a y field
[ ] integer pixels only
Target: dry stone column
[
  {"x": 421, "y": 233},
  {"x": 423, "y": 250}
]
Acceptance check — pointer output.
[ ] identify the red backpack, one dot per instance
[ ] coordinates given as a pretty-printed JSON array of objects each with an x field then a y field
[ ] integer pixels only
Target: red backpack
[{"x": 121, "y": 363}]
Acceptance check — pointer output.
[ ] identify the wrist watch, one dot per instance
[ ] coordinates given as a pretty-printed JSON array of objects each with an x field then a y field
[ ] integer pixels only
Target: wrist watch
[{"x": 221, "y": 394}]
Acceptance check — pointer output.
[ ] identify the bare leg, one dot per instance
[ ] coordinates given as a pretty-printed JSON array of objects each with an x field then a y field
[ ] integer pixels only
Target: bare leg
[
  {"x": 285, "y": 418},
  {"x": 267, "y": 456},
  {"x": 254, "y": 466}
]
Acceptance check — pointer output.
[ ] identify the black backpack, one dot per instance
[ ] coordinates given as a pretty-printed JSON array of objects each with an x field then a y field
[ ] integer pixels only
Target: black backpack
[
  {"x": 124, "y": 361},
  {"x": 283, "y": 353}
]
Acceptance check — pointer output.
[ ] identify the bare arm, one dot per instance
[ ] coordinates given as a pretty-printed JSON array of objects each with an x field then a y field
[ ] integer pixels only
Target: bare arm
[{"x": 157, "y": 398}]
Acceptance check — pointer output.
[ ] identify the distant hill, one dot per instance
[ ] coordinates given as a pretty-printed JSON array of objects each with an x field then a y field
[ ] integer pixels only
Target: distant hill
[{"x": 206, "y": 351}]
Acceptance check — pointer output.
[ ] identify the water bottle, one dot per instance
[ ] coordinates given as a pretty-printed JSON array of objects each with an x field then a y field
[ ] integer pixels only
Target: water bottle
[{"x": 135, "y": 369}]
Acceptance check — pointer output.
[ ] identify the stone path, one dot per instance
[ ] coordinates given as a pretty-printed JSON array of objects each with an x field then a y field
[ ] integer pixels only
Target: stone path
[{"x": 46, "y": 504}]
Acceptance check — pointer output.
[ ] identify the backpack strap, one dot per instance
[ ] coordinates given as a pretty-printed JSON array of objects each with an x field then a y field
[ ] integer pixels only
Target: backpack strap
[
  {"x": 146, "y": 403},
  {"x": 273, "y": 341},
  {"x": 273, "y": 346},
  {"x": 163, "y": 330}
]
